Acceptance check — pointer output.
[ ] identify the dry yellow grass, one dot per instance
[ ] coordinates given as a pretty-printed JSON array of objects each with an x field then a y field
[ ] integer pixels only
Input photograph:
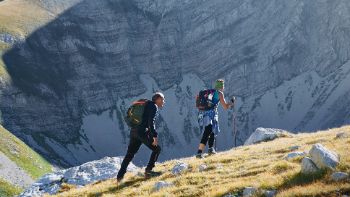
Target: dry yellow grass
[
  {"x": 260, "y": 165},
  {"x": 20, "y": 17}
]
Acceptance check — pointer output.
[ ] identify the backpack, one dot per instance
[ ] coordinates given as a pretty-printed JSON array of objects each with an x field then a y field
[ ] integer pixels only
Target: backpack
[
  {"x": 134, "y": 115},
  {"x": 207, "y": 99}
]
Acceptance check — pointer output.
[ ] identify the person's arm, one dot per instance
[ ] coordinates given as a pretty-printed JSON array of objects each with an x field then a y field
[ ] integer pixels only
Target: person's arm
[
  {"x": 223, "y": 102},
  {"x": 151, "y": 120}
]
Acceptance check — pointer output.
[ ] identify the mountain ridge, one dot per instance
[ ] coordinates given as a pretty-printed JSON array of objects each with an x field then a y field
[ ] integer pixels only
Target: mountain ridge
[{"x": 287, "y": 67}]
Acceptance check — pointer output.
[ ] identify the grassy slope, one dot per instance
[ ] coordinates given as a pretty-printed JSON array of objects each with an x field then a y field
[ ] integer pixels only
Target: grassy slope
[
  {"x": 7, "y": 189},
  {"x": 23, "y": 155},
  {"x": 3, "y": 72},
  {"x": 260, "y": 165},
  {"x": 19, "y": 18}
]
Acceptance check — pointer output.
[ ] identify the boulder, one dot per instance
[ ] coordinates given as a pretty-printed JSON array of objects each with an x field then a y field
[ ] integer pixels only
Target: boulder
[
  {"x": 324, "y": 158},
  {"x": 84, "y": 174},
  {"x": 293, "y": 155},
  {"x": 308, "y": 166},
  {"x": 249, "y": 191},
  {"x": 339, "y": 176},
  {"x": 179, "y": 168},
  {"x": 264, "y": 134},
  {"x": 161, "y": 184}
]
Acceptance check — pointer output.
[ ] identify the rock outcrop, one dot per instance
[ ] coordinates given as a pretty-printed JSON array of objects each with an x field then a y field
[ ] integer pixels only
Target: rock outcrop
[
  {"x": 324, "y": 158},
  {"x": 264, "y": 135},
  {"x": 339, "y": 176},
  {"x": 287, "y": 67},
  {"x": 161, "y": 184},
  {"x": 294, "y": 155},
  {"x": 179, "y": 168},
  {"x": 308, "y": 166},
  {"x": 87, "y": 173}
]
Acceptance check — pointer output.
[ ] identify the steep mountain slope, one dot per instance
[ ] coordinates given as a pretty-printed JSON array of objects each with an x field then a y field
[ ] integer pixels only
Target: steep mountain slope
[
  {"x": 19, "y": 164},
  {"x": 73, "y": 78},
  {"x": 262, "y": 166}
]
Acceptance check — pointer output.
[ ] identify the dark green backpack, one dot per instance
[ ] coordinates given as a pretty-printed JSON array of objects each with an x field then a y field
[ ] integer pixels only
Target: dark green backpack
[{"x": 134, "y": 115}]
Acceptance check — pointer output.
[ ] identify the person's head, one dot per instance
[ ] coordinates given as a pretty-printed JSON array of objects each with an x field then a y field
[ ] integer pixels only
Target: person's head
[
  {"x": 158, "y": 99},
  {"x": 220, "y": 84}
]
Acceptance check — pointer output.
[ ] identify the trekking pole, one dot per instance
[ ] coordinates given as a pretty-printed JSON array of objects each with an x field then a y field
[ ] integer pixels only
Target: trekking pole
[
  {"x": 234, "y": 123},
  {"x": 234, "y": 128}
]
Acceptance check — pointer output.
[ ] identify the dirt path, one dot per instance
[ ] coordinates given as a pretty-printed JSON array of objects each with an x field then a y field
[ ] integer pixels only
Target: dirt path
[{"x": 13, "y": 174}]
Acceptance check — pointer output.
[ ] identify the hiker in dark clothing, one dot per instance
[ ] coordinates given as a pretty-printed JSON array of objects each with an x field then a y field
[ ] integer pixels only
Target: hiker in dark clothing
[
  {"x": 146, "y": 134},
  {"x": 208, "y": 119}
]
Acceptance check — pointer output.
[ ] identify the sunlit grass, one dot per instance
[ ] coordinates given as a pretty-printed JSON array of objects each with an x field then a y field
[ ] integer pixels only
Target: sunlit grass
[
  {"x": 260, "y": 166},
  {"x": 20, "y": 17},
  {"x": 8, "y": 190},
  {"x": 23, "y": 155}
]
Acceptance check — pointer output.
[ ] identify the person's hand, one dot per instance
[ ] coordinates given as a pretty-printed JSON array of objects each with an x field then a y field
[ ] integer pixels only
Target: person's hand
[
  {"x": 155, "y": 141},
  {"x": 233, "y": 99}
]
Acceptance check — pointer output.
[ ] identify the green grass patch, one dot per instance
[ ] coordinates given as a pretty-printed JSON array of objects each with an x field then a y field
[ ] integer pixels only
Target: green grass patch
[
  {"x": 280, "y": 167},
  {"x": 23, "y": 155},
  {"x": 3, "y": 71},
  {"x": 300, "y": 179},
  {"x": 6, "y": 189}
]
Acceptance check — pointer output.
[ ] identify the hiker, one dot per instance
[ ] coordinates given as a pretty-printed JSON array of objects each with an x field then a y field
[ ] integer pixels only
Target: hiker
[
  {"x": 207, "y": 102},
  {"x": 144, "y": 133}
]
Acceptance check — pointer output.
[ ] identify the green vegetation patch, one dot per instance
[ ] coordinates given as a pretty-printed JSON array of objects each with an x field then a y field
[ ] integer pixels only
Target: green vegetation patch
[
  {"x": 6, "y": 189},
  {"x": 23, "y": 155}
]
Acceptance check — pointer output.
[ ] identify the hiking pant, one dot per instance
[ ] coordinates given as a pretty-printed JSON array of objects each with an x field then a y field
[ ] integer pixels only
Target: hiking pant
[
  {"x": 137, "y": 138},
  {"x": 208, "y": 135}
]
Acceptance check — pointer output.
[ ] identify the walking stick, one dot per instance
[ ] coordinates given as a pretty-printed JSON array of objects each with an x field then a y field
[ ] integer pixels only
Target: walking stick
[
  {"x": 234, "y": 128},
  {"x": 234, "y": 122}
]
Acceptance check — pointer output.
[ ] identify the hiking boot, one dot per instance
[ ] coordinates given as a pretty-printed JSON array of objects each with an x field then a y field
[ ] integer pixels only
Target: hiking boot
[
  {"x": 199, "y": 156},
  {"x": 150, "y": 174},
  {"x": 211, "y": 151}
]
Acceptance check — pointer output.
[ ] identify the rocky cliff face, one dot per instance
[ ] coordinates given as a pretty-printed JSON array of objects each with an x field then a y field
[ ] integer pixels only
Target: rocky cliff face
[{"x": 286, "y": 61}]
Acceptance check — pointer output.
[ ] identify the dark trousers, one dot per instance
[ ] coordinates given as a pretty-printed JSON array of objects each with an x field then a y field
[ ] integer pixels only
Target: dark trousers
[
  {"x": 137, "y": 138},
  {"x": 208, "y": 135}
]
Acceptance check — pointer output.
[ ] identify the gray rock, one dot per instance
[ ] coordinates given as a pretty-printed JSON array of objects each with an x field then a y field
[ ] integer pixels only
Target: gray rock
[
  {"x": 308, "y": 166},
  {"x": 93, "y": 171},
  {"x": 249, "y": 191},
  {"x": 50, "y": 178},
  {"x": 161, "y": 184},
  {"x": 270, "y": 193},
  {"x": 202, "y": 167},
  {"x": 9, "y": 38},
  {"x": 324, "y": 158},
  {"x": 179, "y": 168},
  {"x": 342, "y": 135},
  {"x": 264, "y": 134},
  {"x": 339, "y": 176},
  {"x": 294, "y": 155},
  {"x": 90, "y": 172},
  {"x": 231, "y": 195},
  {"x": 293, "y": 148},
  {"x": 168, "y": 41}
]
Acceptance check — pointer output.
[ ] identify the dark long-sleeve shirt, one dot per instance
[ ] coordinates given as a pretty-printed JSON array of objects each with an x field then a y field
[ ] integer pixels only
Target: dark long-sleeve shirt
[{"x": 149, "y": 118}]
